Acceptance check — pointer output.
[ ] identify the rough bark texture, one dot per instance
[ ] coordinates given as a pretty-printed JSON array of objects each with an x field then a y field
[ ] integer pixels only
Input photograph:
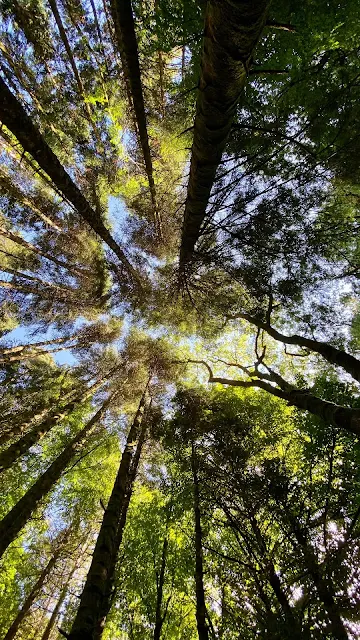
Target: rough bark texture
[
  {"x": 123, "y": 19},
  {"x": 202, "y": 627},
  {"x": 14, "y": 521},
  {"x": 15, "y": 118},
  {"x": 326, "y": 350},
  {"x": 31, "y": 597},
  {"x": 96, "y": 595},
  {"x": 122, "y": 522},
  {"x": 232, "y": 29}
]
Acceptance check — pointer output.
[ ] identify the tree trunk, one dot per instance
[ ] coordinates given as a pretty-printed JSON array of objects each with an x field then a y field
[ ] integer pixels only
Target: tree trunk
[
  {"x": 63, "y": 593},
  {"x": 232, "y": 30},
  {"x": 66, "y": 44},
  {"x": 331, "y": 354},
  {"x": 122, "y": 522},
  {"x": 32, "y": 597},
  {"x": 125, "y": 33},
  {"x": 14, "y": 521},
  {"x": 159, "y": 617},
  {"x": 202, "y": 627},
  {"x": 15, "y": 118},
  {"x": 21, "y": 446},
  {"x": 14, "y": 192},
  {"x": 95, "y": 600}
]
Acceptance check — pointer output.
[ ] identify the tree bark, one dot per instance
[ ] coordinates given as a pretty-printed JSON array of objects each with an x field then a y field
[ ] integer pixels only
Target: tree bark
[
  {"x": 21, "y": 446},
  {"x": 14, "y": 521},
  {"x": 232, "y": 30},
  {"x": 96, "y": 596},
  {"x": 15, "y": 118},
  {"x": 123, "y": 19},
  {"x": 202, "y": 627},
  {"x": 331, "y": 354},
  {"x": 32, "y": 597}
]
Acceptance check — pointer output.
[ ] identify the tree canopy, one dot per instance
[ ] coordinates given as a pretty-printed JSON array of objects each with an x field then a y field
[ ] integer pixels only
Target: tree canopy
[{"x": 179, "y": 320}]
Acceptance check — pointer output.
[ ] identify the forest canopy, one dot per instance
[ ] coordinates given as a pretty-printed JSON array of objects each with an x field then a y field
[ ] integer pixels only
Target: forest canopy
[{"x": 179, "y": 320}]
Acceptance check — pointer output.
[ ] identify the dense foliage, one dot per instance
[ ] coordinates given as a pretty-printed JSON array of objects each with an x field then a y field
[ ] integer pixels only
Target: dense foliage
[{"x": 179, "y": 320}]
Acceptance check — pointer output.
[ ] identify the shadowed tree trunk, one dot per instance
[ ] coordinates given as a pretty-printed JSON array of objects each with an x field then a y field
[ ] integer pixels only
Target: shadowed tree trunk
[
  {"x": 96, "y": 596},
  {"x": 16, "y": 519},
  {"x": 21, "y": 446},
  {"x": 123, "y": 19},
  {"x": 130, "y": 486},
  {"x": 202, "y": 627},
  {"x": 15, "y": 118},
  {"x": 32, "y": 596},
  {"x": 232, "y": 29},
  {"x": 160, "y": 615},
  {"x": 326, "y": 350}
]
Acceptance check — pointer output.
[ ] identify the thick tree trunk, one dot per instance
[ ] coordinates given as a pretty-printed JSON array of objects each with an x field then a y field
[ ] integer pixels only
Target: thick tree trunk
[
  {"x": 232, "y": 29},
  {"x": 125, "y": 33},
  {"x": 14, "y": 521},
  {"x": 15, "y": 118},
  {"x": 21, "y": 446},
  {"x": 331, "y": 354},
  {"x": 31, "y": 597},
  {"x": 122, "y": 522},
  {"x": 96, "y": 596},
  {"x": 202, "y": 627}
]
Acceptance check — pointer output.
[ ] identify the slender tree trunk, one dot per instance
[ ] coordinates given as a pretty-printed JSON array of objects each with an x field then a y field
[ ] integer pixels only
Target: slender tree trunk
[
  {"x": 32, "y": 597},
  {"x": 159, "y": 617},
  {"x": 324, "y": 592},
  {"x": 202, "y": 627},
  {"x": 15, "y": 118},
  {"x": 66, "y": 44},
  {"x": 331, "y": 354},
  {"x": 232, "y": 30},
  {"x": 125, "y": 33},
  {"x": 96, "y": 596},
  {"x": 14, "y": 237},
  {"x": 63, "y": 593},
  {"x": 14, "y": 521},
  {"x": 21, "y": 446},
  {"x": 11, "y": 189}
]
